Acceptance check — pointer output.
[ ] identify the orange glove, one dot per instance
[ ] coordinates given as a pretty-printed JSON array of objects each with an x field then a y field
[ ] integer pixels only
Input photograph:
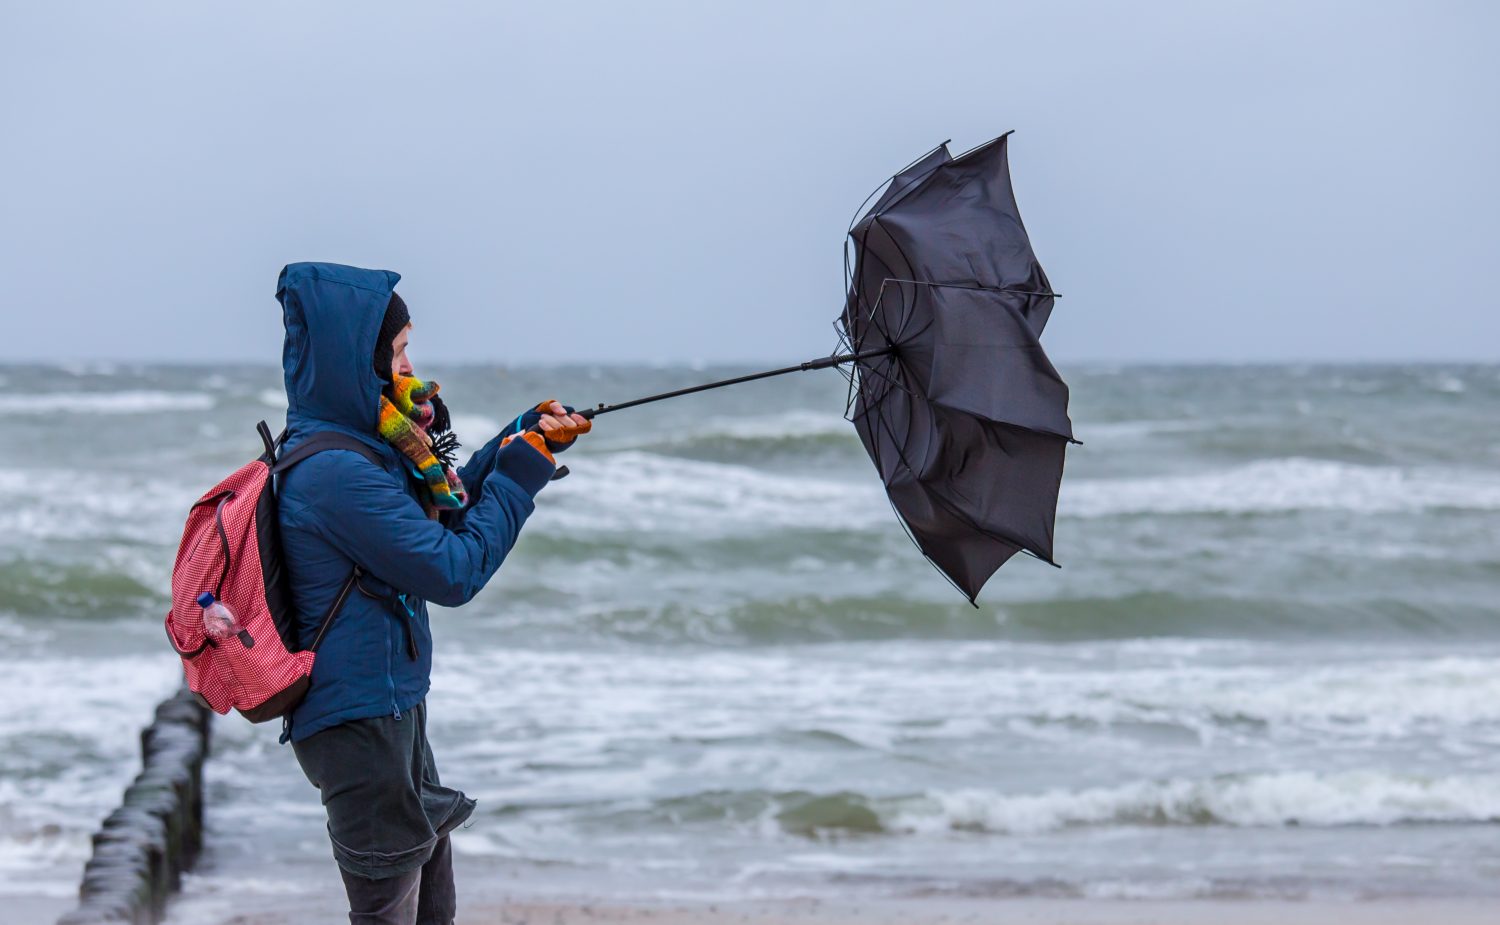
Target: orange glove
[{"x": 536, "y": 440}]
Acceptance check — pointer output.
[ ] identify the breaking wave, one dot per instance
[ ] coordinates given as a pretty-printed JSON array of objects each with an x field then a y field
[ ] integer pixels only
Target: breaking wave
[
  {"x": 1307, "y": 799},
  {"x": 1302, "y": 799}
]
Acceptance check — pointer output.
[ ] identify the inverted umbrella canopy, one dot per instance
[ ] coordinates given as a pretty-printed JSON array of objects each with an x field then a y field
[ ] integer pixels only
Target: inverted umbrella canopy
[
  {"x": 949, "y": 389},
  {"x": 951, "y": 393}
]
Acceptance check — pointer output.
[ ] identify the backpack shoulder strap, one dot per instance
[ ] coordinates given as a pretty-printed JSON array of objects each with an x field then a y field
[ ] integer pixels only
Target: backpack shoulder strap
[
  {"x": 317, "y": 443},
  {"x": 272, "y": 443},
  {"x": 333, "y": 609},
  {"x": 325, "y": 440}
]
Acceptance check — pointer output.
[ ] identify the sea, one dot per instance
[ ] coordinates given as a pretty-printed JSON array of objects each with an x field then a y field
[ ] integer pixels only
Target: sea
[{"x": 714, "y": 666}]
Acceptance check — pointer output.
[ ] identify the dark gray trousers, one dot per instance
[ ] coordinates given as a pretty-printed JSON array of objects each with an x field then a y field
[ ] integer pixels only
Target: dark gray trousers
[
  {"x": 424, "y": 896},
  {"x": 388, "y": 817}
]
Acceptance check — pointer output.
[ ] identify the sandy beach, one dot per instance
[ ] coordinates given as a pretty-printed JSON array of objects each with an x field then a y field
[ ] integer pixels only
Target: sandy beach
[
  {"x": 1011, "y": 912},
  {"x": 531, "y": 911},
  {"x": 1059, "y": 912}
]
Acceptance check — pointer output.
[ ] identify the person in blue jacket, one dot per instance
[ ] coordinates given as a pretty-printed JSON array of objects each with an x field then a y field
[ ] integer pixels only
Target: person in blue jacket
[{"x": 417, "y": 530}]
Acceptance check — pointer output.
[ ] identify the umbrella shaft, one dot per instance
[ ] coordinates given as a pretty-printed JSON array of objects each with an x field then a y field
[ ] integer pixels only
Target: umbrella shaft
[{"x": 823, "y": 363}]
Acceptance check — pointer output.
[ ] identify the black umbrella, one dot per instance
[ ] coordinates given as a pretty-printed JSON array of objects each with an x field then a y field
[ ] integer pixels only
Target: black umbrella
[
  {"x": 949, "y": 389},
  {"x": 960, "y": 409}
]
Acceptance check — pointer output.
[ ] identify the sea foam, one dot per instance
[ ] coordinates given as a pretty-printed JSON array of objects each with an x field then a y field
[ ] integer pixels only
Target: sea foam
[
  {"x": 127, "y": 402},
  {"x": 640, "y": 491},
  {"x": 1283, "y": 486},
  {"x": 1375, "y": 798},
  {"x": 49, "y": 809}
]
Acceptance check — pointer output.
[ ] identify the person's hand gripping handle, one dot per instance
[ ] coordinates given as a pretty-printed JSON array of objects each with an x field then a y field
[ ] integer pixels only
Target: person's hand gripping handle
[{"x": 555, "y": 431}]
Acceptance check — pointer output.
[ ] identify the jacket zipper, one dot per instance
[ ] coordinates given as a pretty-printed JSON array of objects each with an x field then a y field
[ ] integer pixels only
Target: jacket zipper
[
  {"x": 411, "y": 628},
  {"x": 390, "y": 669}
]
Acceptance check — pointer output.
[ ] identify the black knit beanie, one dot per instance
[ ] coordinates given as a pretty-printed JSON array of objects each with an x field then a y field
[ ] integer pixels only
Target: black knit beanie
[{"x": 396, "y": 318}]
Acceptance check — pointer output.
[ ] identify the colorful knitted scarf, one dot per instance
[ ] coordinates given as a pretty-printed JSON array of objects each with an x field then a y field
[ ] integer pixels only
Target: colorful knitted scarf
[{"x": 405, "y": 421}]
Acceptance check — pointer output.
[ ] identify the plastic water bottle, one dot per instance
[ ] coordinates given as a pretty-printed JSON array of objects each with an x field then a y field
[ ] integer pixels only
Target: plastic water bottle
[{"x": 218, "y": 622}]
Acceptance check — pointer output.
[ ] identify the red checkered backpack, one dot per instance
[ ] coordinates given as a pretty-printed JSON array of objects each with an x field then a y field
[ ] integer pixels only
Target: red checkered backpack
[{"x": 231, "y": 548}]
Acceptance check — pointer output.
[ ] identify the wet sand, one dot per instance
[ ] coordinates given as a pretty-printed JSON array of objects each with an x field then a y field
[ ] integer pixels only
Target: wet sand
[
  {"x": 1010, "y": 912},
  {"x": 531, "y": 910},
  {"x": 487, "y": 896}
]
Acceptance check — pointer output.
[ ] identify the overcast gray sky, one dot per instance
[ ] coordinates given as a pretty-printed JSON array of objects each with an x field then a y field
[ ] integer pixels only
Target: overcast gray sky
[{"x": 671, "y": 181}]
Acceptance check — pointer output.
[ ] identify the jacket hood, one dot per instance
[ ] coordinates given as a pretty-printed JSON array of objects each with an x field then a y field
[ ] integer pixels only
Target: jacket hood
[{"x": 332, "y": 315}]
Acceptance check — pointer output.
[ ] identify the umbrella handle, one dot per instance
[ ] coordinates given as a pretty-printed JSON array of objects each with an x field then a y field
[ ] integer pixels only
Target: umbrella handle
[{"x": 561, "y": 472}]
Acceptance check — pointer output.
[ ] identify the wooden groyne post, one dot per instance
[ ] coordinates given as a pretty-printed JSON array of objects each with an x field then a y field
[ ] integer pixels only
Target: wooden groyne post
[{"x": 145, "y": 844}]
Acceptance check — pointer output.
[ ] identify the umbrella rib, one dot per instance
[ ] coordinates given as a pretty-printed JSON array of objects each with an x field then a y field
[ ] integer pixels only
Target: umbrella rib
[
  {"x": 877, "y": 324},
  {"x": 850, "y": 393},
  {"x": 858, "y": 293},
  {"x": 849, "y": 280},
  {"x": 950, "y": 508},
  {"x": 880, "y": 297},
  {"x": 891, "y": 179},
  {"x": 910, "y": 183},
  {"x": 1068, "y": 437},
  {"x": 978, "y": 528},
  {"x": 945, "y": 504},
  {"x": 890, "y": 340},
  {"x": 983, "y": 144},
  {"x": 905, "y": 527},
  {"x": 880, "y": 327},
  {"x": 906, "y": 310},
  {"x": 905, "y": 313},
  {"x": 976, "y": 287},
  {"x": 871, "y": 368}
]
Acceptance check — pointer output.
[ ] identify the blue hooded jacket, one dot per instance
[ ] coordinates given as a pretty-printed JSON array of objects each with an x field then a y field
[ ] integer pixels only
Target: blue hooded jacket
[{"x": 337, "y": 509}]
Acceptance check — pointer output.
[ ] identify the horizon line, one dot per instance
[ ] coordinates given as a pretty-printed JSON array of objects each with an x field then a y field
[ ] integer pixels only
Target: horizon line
[{"x": 770, "y": 362}]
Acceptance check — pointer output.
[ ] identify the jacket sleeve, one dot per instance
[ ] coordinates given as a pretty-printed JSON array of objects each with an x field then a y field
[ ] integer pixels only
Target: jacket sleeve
[
  {"x": 484, "y": 457},
  {"x": 361, "y": 511},
  {"x": 481, "y": 462}
]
